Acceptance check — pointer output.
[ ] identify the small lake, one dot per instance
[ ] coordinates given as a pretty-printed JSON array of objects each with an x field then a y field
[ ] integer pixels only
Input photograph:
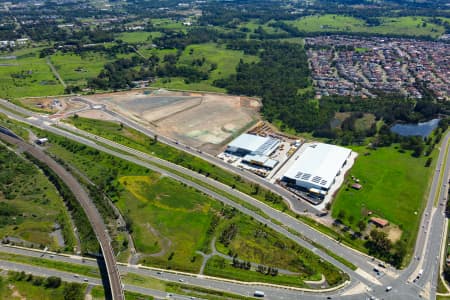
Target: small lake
[{"x": 422, "y": 129}]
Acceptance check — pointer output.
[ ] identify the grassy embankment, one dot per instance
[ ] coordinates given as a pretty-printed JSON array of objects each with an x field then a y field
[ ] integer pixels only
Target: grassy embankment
[
  {"x": 30, "y": 205},
  {"x": 15, "y": 285},
  {"x": 134, "y": 139},
  {"x": 170, "y": 222}
]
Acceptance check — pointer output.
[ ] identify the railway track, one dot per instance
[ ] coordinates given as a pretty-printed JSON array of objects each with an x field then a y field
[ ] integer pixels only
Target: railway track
[{"x": 89, "y": 208}]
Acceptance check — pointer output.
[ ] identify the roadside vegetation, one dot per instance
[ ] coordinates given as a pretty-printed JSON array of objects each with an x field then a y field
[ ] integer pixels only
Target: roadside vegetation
[
  {"x": 129, "y": 137},
  {"x": 170, "y": 223},
  {"x": 20, "y": 285},
  {"x": 32, "y": 212}
]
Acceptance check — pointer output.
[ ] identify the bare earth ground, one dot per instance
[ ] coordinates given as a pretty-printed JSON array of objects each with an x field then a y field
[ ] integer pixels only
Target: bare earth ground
[
  {"x": 204, "y": 121},
  {"x": 96, "y": 114},
  {"x": 46, "y": 102}
]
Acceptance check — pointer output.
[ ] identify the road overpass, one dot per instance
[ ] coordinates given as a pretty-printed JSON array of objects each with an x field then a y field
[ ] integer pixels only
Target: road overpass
[{"x": 89, "y": 208}]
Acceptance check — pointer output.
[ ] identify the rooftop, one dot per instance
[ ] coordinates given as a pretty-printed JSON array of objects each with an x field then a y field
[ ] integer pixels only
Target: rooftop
[{"x": 318, "y": 164}]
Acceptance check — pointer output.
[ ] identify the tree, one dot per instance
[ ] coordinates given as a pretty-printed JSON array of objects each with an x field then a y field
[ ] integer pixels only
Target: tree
[
  {"x": 52, "y": 282},
  {"x": 362, "y": 225},
  {"x": 73, "y": 291},
  {"x": 341, "y": 215}
]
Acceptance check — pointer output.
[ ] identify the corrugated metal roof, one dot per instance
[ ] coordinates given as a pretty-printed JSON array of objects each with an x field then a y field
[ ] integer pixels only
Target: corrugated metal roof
[{"x": 318, "y": 164}]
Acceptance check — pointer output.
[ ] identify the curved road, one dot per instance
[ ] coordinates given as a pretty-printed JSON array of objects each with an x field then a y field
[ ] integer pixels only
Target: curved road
[
  {"x": 403, "y": 284},
  {"x": 89, "y": 208}
]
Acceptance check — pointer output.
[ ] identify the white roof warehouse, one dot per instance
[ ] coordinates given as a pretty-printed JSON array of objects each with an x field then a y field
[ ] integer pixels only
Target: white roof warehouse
[
  {"x": 253, "y": 144},
  {"x": 318, "y": 166}
]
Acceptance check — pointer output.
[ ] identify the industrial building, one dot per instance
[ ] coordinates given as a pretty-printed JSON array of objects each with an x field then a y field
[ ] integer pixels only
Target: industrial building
[
  {"x": 316, "y": 168},
  {"x": 254, "y": 149}
]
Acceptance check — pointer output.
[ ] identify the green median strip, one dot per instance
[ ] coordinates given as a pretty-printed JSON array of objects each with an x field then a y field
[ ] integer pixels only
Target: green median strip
[
  {"x": 441, "y": 175},
  {"x": 51, "y": 264}
]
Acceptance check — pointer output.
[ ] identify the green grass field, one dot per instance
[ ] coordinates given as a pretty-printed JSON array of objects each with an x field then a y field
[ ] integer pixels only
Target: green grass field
[
  {"x": 168, "y": 218},
  {"x": 27, "y": 75},
  {"x": 394, "y": 188},
  {"x": 138, "y": 37},
  {"x": 411, "y": 26},
  {"x": 76, "y": 69},
  {"x": 226, "y": 61},
  {"x": 30, "y": 206}
]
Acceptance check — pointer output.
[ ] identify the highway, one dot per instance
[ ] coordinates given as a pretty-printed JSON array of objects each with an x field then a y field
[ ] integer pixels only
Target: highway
[
  {"x": 89, "y": 208},
  {"x": 426, "y": 252},
  {"x": 294, "y": 203}
]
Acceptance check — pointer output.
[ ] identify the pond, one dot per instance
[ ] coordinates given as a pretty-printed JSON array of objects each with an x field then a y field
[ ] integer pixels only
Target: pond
[{"x": 421, "y": 129}]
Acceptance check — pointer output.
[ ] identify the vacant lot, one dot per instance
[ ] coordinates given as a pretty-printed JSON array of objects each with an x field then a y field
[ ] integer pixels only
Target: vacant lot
[
  {"x": 225, "y": 62},
  {"x": 394, "y": 187},
  {"x": 76, "y": 69},
  {"x": 27, "y": 75},
  {"x": 169, "y": 220},
  {"x": 411, "y": 26},
  {"x": 200, "y": 120}
]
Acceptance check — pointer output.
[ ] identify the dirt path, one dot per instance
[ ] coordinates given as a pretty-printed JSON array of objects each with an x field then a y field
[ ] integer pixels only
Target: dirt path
[{"x": 55, "y": 72}]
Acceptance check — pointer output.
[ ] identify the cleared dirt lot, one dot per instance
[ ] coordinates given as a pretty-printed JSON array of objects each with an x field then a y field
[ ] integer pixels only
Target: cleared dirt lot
[{"x": 204, "y": 121}]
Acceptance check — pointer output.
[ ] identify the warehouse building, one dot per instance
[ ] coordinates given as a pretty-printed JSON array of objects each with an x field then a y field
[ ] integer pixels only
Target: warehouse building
[
  {"x": 252, "y": 144},
  {"x": 254, "y": 149},
  {"x": 316, "y": 168}
]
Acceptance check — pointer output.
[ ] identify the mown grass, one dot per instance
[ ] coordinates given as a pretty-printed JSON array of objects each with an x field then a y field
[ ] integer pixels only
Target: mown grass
[
  {"x": 395, "y": 188},
  {"x": 409, "y": 26},
  {"x": 76, "y": 69},
  {"x": 27, "y": 75},
  {"x": 30, "y": 204},
  {"x": 138, "y": 37},
  {"x": 168, "y": 218}
]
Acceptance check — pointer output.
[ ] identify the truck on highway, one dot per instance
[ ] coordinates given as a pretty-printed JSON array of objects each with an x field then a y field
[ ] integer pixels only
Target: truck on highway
[{"x": 258, "y": 294}]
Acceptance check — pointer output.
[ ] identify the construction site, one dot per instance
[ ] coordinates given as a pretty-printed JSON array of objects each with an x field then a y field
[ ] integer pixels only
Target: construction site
[{"x": 203, "y": 121}]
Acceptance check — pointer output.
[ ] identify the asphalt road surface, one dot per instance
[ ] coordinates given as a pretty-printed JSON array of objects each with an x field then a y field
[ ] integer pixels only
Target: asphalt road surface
[
  {"x": 402, "y": 282},
  {"x": 89, "y": 208}
]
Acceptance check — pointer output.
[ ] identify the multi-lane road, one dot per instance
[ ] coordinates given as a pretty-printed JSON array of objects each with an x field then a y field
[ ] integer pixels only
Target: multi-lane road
[
  {"x": 89, "y": 208},
  {"x": 364, "y": 280}
]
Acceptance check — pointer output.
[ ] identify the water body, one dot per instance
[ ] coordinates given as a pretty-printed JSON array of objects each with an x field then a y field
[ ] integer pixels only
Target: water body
[{"x": 420, "y": 129}]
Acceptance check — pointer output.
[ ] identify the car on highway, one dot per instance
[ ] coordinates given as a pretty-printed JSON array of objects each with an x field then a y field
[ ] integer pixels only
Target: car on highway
[
  {"x": 181, "y": 280},
  {"x": 259, "y": 294}
]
